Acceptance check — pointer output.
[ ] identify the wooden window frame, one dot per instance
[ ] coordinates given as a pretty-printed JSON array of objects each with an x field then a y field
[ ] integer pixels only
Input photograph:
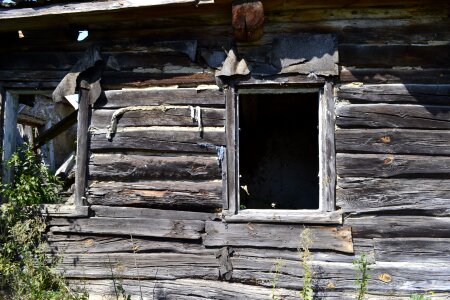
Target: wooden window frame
[{"x": 326, "y": 213}]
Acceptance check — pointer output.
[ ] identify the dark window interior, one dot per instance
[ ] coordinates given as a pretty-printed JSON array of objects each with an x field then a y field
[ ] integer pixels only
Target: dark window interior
[{"x": 279, "y": 151}]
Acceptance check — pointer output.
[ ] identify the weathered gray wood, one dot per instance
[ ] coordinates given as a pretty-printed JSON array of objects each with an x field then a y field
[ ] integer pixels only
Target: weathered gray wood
[
  {"x": 401, "y": 141},
  {"x": 66, "y": 211},
  {"x": 404, "y": 278},
  {"x": 82, "y": 147},
  {"x": 180, "y": 229},
  {"x": 9, "y": 133},
  {"x": 394, "y": 55},
  {"x": 393, "y": 116},
  {"x": 2, "y": 132},
  {"x": 232, "y": 153},
  {"x": 396, "y": 76},
  {"x": 71, "y": 243},
  {"x": 378, "y": 194},
  {"x": 412, "y": 249},
  {"x": 327, "y": 149},
  {"x": 181, "y": 96},
  {"x": 187, "y": 289},
  {"x": 130, "y": 167},
  {"x": 135, "y": 212},
  {"x": 389, "y": 165},
  {"x": 276, "y": 236},
  {"x": 57, "y": 129},
  {"x": 286, "y": 216},
  {"x": 173, "y": 116},
  {"x": 379, "y": 226},
  {"x": 397, "y": 93},
  {"x": 184, "y": 195},
  {"x": 180, "y": 139}
]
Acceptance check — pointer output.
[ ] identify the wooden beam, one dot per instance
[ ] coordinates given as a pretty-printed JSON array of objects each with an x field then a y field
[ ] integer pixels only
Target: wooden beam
[
  {"x": 82, "y": 147},
  {"x": 247, "y": 19},
  {"x": 327, "y": 152},
  {"x": 57, "y": 129},
  {"x": 9, "y": 129}
]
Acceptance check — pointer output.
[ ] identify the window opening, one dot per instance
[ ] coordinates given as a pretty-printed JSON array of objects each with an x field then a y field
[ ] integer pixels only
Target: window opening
[{"x": 279, "y": 151}]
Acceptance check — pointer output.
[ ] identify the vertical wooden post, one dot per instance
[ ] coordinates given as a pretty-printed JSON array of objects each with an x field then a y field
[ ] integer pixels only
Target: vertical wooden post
[
  {"x": 9, "y": 133},
  {"x": 232, "y": 140},
  {"x": 82, "y": 144},
  {"x": 2, "y": 115},
  {"x": 327, "y": 149}
]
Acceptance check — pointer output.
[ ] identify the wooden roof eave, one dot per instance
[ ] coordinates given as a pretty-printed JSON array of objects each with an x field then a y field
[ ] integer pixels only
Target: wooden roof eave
[{"x": 53, "y": 15}]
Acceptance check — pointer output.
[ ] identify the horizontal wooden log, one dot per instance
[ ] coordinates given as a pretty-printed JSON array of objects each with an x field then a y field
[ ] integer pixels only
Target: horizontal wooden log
[
  {"x": 395, "y": 75},
  {"x": 113, "y": 80},
  {"x": 360, "y": 195},
  {"x": 276, "y": 236},
  {"x": 404, "y": 278},
  {"x": 130, "y": 167},
  {"x": 186, "y": 289},
  {"x": 393, "y": 116},
  {"x": 66, "y": 211},
  {"x": 135, "y": 212},
  {"x": 389, "y": 165},
  {"x": 394, "y": 55},
  {"x": 184, "y": 195},
  {"x": 173, "y": 116},
  {"x": 397, "y": 93},
  {"x": 401, "y": 141},
  {"x": 71, "y": 243},
  {"x": 177, "y": 139},
  {"x": 390, "y": 226},
  {"x": 178, "y": 229},
  {"x": 169, "y": 96},
  {"x": 412, "y": 249}
]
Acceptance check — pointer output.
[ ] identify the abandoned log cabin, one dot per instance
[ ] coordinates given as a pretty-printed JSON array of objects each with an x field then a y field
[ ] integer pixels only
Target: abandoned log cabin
[{"x": 209, "y": 134}]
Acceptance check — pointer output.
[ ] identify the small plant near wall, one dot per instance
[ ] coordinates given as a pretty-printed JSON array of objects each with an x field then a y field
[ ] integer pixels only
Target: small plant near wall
[
  {"x": 279, "y": 263},
  {"x": 27, "y": 270},
  {"x": 363, "y": 268},
  {"x": 421, "y": 296},
  {"x": 306, "y": 241}
]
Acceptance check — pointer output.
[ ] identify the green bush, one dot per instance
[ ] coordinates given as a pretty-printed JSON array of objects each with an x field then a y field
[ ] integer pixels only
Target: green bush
[{"x": 27, "y": 270}]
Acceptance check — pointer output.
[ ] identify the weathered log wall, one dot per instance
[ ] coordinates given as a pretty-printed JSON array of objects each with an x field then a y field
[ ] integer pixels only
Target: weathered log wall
[{"x": 156, "y": 189}]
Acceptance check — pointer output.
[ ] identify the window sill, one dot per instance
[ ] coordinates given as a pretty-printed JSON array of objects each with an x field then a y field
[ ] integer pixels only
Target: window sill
[{"x": 284, "y": 216}]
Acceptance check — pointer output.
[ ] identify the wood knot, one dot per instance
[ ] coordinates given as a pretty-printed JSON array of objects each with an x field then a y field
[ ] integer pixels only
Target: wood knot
[
  {"x": 385, "y": 277},
  {"x": 388, "y": 160},
  {"x": 385, "y": 139}
]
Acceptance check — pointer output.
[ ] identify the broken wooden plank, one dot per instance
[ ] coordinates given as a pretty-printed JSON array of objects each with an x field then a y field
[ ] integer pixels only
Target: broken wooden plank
[
  {"x": 164, "y": 228},
  {"x": 137, "y": 212},
  {"x": 183, "y": 195},
  {"x": 397, "y": 93},
  {"x": 390, "y": 165},
  {"x": 390, "y": 226},
  {"x": 210, "y": 95},
  {"x": 360, "y": 195},
  {"x": 130, "y": 167},
  {"x": 180, "y": 139},
  {"x": 412, "y": 249},
  {"x": 276, "y": 236},
  {"x": 166, "y": 116},
  {"x": 400, "y": 141},
  {"x": 393, "y": 116}
]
